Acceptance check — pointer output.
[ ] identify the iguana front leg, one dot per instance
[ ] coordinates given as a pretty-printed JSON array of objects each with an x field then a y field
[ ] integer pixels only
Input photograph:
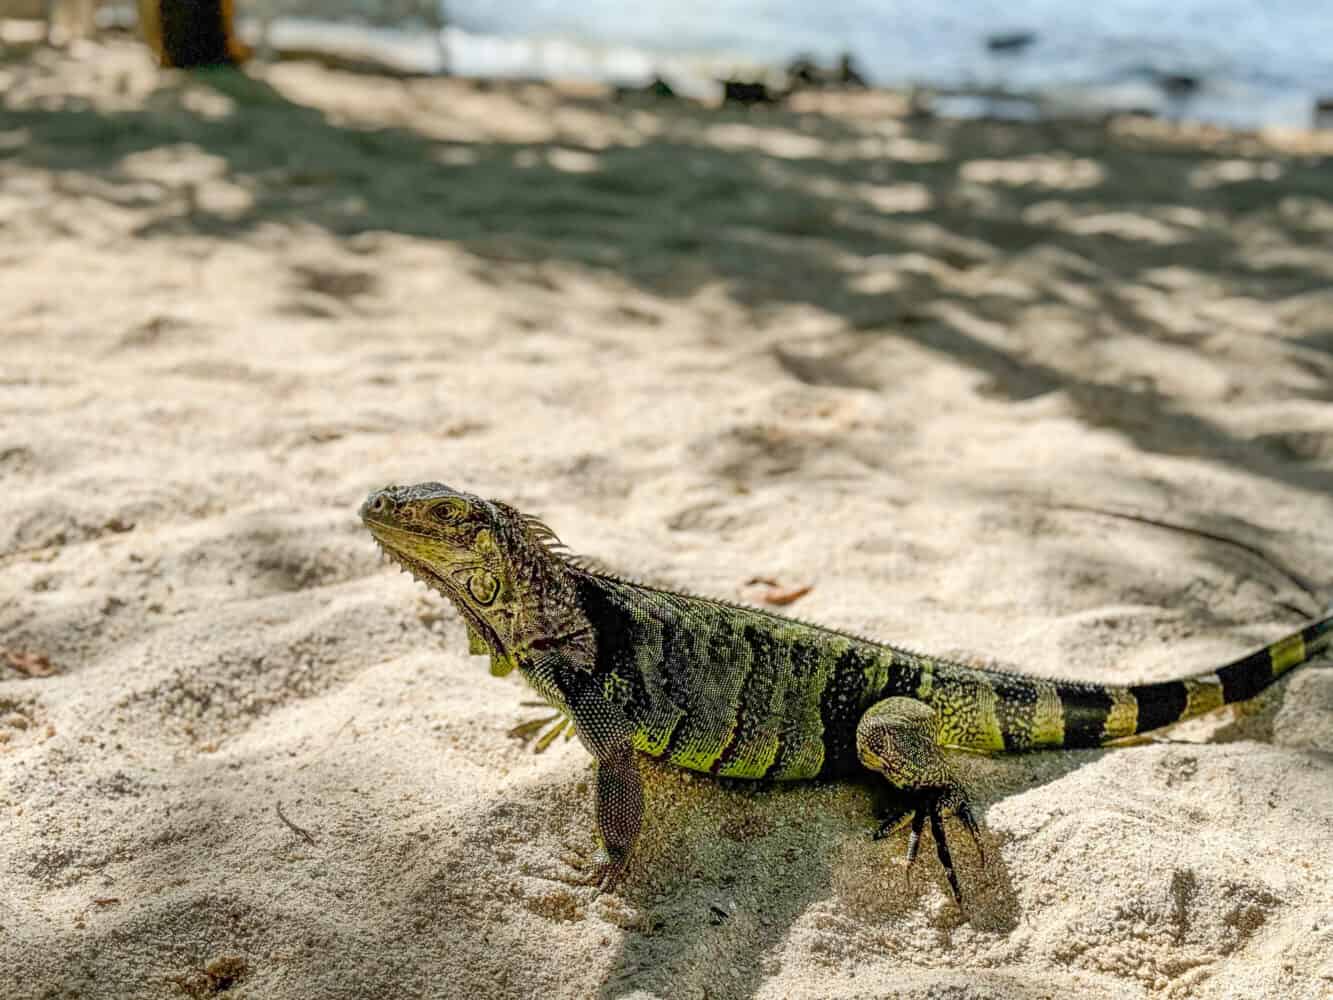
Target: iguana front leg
[
  {"x": 602, "y": 728},
  {"x": 605, "y": 732},
  {"x": 898, "y": 738},
  {"x": 529, "y": 729}
]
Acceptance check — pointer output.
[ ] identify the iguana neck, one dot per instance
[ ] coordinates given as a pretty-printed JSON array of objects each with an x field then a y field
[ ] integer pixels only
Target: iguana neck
[{"x": 540, "y": 607}]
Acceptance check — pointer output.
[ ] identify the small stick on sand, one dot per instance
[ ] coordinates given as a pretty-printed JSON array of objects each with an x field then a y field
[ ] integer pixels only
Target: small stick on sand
[{"x": 303, "y": 834}]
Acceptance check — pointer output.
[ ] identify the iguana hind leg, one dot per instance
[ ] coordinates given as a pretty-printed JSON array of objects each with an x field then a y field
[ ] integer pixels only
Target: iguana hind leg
[{"x": 898, "y": 738}]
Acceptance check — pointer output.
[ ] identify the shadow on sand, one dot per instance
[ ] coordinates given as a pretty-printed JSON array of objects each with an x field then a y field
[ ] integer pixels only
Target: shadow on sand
[{"x": 675, "y": 197}]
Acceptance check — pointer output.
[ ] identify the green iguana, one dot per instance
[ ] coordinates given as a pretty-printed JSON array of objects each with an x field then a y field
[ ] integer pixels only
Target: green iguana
[{"x": 736, "y": 691}]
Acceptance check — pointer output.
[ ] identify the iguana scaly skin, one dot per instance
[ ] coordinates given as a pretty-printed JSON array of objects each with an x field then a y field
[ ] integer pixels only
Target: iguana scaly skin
[{"x": 736, "y": 691}]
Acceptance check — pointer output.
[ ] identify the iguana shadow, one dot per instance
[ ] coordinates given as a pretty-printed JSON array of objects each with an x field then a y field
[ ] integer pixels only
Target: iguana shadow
[{"x": 726, "y": 870}]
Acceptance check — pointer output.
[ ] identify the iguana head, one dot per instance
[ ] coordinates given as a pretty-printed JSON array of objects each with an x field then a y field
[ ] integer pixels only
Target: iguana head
[{"x": 488, "y": 559}]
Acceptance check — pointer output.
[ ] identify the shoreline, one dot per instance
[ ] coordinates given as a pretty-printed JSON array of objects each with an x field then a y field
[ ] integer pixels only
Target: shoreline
[
  {"x": 1213, "y": 100},
  {"x": 1219, "y": 102}
]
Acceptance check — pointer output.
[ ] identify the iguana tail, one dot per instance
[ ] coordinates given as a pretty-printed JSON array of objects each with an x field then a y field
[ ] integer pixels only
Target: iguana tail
[
  {"x": 991, "y": 711},
  {"x": 1103, "y": 715}
]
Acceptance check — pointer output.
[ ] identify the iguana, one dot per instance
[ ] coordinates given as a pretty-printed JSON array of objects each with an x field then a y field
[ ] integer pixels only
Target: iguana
[{"x": 736, "y": 691}]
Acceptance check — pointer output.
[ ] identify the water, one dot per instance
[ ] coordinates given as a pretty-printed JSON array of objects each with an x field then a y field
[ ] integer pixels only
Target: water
[{"x": 1259, "y": 61}]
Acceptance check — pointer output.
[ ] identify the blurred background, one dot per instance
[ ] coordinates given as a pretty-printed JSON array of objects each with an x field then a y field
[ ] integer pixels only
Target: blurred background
[{"x": 1237, "y": 62}]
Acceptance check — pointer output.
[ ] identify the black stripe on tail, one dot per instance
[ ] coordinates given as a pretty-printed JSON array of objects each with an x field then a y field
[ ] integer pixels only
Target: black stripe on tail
[
  {"x": 1171, "y": 701},
  {"x": 1159, "y": 704}
]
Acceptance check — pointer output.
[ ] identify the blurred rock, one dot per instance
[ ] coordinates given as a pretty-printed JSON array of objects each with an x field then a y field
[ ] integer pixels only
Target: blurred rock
[
  {"x": 848, "y": 75},
  {"x": 1323, "y": 112},
  {"x": 656, "y": 88},
  {"x": 1178, "y": 85},
  {"x": 1010, "y": 41},
  {"x": 804, "y": 73},
  {"x": 747, "y": 93}
]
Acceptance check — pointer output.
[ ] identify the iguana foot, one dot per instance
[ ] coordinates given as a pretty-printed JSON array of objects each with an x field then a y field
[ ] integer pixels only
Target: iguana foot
[
  {"x": 601, "y": 871},
  {"x": 609, "y": 870},
  {"x": 896, "y": 738},
  {"x": 581, "y": 870},
  {"x": 890, "y": 822},
  {"x": 529, "y": 730},
  {"x": 933, "y": 806}
]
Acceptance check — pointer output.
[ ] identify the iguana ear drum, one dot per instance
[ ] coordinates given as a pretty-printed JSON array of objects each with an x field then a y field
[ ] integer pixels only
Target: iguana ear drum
[{"x": 483, "y": 587}]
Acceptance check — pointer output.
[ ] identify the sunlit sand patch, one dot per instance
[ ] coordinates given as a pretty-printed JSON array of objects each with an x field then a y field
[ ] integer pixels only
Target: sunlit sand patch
[{"x": 1053, "y": 171}]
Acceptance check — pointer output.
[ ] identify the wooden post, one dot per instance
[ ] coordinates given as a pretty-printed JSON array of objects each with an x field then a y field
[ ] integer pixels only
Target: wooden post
[{"x": 191, "y": 32}]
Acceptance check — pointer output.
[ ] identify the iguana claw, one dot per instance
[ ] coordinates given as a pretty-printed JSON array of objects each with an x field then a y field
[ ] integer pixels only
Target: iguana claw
[
  {"x": 932, "y": 808},
  {"x": 891, "y": 823},
  {"x": 528, "y": 730},
  {"x": 602, "y": 872},
  {"x": 609, "y": 871}
]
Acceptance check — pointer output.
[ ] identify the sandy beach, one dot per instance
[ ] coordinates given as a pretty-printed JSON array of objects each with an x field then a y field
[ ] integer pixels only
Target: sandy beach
[{"x": 1052, "y": 396}]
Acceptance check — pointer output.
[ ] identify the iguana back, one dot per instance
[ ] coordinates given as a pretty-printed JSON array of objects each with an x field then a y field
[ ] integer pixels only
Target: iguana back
[{"x": 740, "y": 692}]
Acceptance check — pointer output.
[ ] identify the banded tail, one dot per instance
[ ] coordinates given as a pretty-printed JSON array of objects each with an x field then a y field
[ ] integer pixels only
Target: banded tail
[
  {"x": 1020, "y": 712},
  {"x": 1155, "y": 705}
]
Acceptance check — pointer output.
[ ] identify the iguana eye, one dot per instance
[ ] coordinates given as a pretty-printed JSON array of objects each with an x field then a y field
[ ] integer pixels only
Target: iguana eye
[{"x": 449, "y": 512}]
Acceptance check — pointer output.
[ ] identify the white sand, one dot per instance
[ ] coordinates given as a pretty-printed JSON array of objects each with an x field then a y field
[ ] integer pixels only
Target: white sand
[{"x": 905, "y": 362}]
